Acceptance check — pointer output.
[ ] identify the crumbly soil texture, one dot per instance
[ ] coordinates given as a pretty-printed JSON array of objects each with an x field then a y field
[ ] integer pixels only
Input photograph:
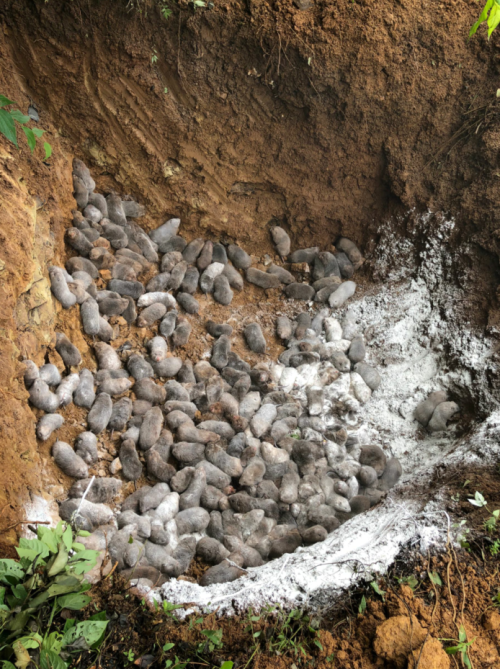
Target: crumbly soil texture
[{"x": 345, "y": 118}]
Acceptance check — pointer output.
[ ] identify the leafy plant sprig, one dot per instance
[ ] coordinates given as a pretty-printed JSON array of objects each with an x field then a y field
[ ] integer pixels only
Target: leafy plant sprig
[
  {"x": 490, "y": 14},
  {"x": 462, "y": 647},
  {"x": 48, "y": 578},
  {"x": 8, "y": 120}
]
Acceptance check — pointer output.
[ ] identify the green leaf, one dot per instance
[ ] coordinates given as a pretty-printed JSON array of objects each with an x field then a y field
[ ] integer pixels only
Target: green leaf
[
  {"x": 53, "y": 642},
  {"x": 375, "y": 586},
  {"x": 90, "y": 630},
  {"x": 482, "y": 17},
  {"x": 362, "y": 605},
  {"x": 100, "y": 615},
  {"x": 227, "y": 665},
  {"x": 74, "y": 602},
  {"x": 11, "y": 568},
  {"x": 5, "y": 663},
  {"x": 49, "y": 659},
  {"x": 67, "y": 537},
  {"x": 7, "y": 127},
  {"x": 48, "y": 153},
  {"x": 493, "y": 19},
  {"x": 38, "y": 132},
  {"x": 462, "y": 634},
  {"x": 19, "y": 116},
  {"x": 19, "y": 592},
  {"x": 478, "y": 500},
  {"x": 32, "y": 548},
  {"x": 435, "y": 578},
  {"x": 452, "y": 650},
  {"x": 49, "y": 537},
  {"x": 32, "y": 641},
  {"x": 82, "y": 533},
  {"x": 5, "y": 101},
  {"x": 168, "y": 646},
  {"x": 68, "y": 625},
  {"x": 30, "y": 136},
  {"x": 60, "y": 561}
]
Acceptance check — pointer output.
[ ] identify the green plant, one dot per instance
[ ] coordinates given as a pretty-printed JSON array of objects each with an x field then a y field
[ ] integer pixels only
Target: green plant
[
  {"x": 165, "y": 10},
  {"x": 214, "y": 640},
  {"x": 8, "y": 120},
  {"x": 47, "y": 579},
  {"x": 176, "y": 663},
  {"x": 362, "y": 605},
  {"x": 227, "y": 665},
  {"x": 435, "y": 578},
  {"x": 377, "y": 589},
  {"x": 130, "y": 655},
  {"x": 292, "y": 633},
  {"x": 169, "y": 608},
  {"x": 490, "y": 14},
  {"x": 491, "y": 523},
  {"x": 154, "y": 57},
  {"x": 462, "y": 647},
  {"x": 410, "y": 580},
  {"x": 198, "y": 3},
  {"x": 496, "y": 599}
]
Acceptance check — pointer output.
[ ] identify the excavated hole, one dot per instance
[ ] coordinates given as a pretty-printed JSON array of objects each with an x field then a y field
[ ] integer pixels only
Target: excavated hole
[{"x": 411, "y": 338}]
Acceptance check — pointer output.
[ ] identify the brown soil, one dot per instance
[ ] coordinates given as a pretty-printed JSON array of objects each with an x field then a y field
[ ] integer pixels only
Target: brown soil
[{"x": 401, "y": 628}]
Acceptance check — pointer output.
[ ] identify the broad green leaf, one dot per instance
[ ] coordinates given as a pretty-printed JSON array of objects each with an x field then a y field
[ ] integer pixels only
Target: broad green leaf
[
  {"x": 30, "y": 136},
  {"x": 7, "y": 127},
  {"x": 87, "y": 554},
  {"x": 5, "y": 663},
  {"x": 51, "y": 660},
  {"x": 435, "y": 578},
  {"x": 82, "y": 533},
  {"x": 19, "y": 622},
  {"x": 229, "y": 665},
  {"x": 19, "y": 116},
  {"x": 482, "y": 17},
  {"x": 74, "y": 602},
  {"x": 5, "y": 101},
  {"x": 32, "y": 548},
  {"x": 68, "y": 625},
  {"x": 462, "y": 634},
  {"x": 362, "y": 605},
  {"x": 53, "y": 642},
  {"x": 11, "y": 567},
  {"x": 33, "y": 641},
  {"x": 60, "y": 561},
  {"x": 91, "y": 630},
  {"x": 493, "y": 19},
  {"x": 49, "y": 537},
  {"x": 19, "y": 592},
  {"x": 168, "y": 646},
  {"x": 67, "y": 537},
  {"x": 77, "y": 547},
  {"x": 100, "y": 615},
  {"x": 38, "y": 132},
  {"x": 48, "y": 153},
  {"x": 67, "y": 580}
]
